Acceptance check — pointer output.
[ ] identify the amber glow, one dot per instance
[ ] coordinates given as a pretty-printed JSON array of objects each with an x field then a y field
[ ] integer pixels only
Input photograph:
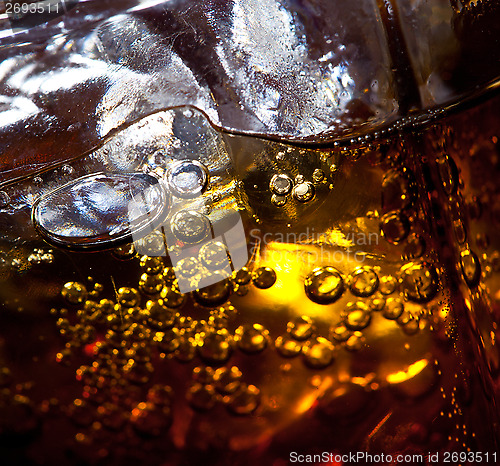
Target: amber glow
[{"x": 413, "y": 370}]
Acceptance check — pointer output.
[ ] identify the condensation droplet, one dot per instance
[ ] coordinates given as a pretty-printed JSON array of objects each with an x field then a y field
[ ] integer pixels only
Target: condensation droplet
[
  {"x": 324, "y": 285},
  {"x": 363, "y": 281}
]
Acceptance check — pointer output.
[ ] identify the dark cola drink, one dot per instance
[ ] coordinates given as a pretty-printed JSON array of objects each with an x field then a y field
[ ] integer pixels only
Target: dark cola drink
[{"x": 249, "y": 232}]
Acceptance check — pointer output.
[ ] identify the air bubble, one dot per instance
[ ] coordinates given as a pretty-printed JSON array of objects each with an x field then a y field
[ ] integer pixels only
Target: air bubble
[
  {"x": 414, "y": 247},
  {"x": 324, "y": 285},
  {"x": 213, "y": 295},
  {"x": 151, "y": 265},
  {"x": 100, "y": 211},
  {"x": 227, "y": 380},
  {"x": 251, "y": 338},
  {"x": 395, "y": 192},
  {"x": 471, "y": 269},
  {"x": 128, "y": 297},
  {"x": 151, "y": 284},
  {"x": 377, "y": 303},
  {"x": 281, "y": 185},
  {"x": 242, "y": 276},
  {"x": 357, "y": 316},
  {"x": 318, "y": 353},
  {"x": 278, "y": 201},
  {"x": 339, "y": 332},
  {"x": 217, "y": 347},
  {"x": 245, "y": 400},
  {"x": 393, "y": 309},
  {"x": 287, "y": 346},
  {"x": 187, "y": 179},
  {"x": 74, "y": 292},
  {"x": 363, "y": 281},
  {"x": 301, "y": 328},
  {"x": 355, "y": 342},
  {"x": 214, "y": 255},
  {"x": 4, "y": 199},
  {"x": 125, "y": 252},
  {"x": 419, "y": 282},
  {"x": 171, "y": 297},
  {"x": 303, "y": 192},
  {"x": 190, "y": 227},
  {"x": 201, "y": 397},
  {"x": 264, "y": 277},
  {"x": 318, "y": 175},
  {"x": 395, "y": 227},
  {"x": 387, "y": 285},
  {"x": 160, "y": 316}
]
